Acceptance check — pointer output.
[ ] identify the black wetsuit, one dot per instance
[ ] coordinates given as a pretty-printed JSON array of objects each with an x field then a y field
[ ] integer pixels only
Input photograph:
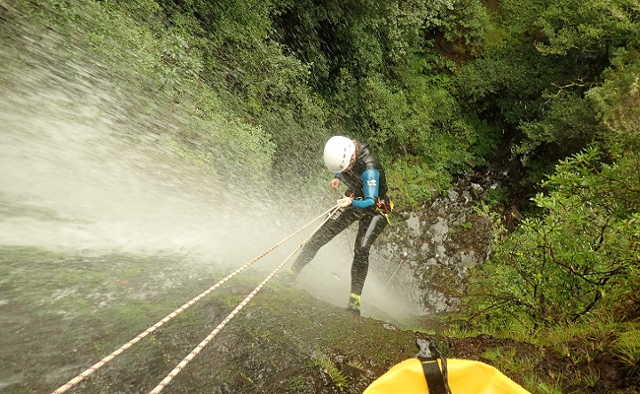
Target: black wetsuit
[{"x": 366, "y": 180}]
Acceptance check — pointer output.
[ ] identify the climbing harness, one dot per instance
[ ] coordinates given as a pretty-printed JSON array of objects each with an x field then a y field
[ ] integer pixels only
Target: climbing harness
[
  {"x": 230, "y": 316},
  {"x": 89, "y": 371},
  {"x": 384, "y": 207}
]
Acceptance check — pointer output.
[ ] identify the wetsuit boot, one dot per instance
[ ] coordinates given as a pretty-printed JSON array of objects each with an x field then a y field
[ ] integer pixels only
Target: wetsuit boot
[{"x": 354, "y": 303}]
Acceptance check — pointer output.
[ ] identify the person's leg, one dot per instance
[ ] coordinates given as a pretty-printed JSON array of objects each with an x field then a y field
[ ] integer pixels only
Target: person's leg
[
  {"x": 324, "y": 234},
  {"x": 369, "y": 229}
]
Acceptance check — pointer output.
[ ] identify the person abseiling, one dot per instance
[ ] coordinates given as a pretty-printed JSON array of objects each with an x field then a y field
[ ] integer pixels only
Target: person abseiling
[{"x": 365, "y": 201}]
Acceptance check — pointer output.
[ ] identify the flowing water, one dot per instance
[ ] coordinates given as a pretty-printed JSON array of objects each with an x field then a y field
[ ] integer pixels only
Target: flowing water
[{"x": 106, "y": 225}]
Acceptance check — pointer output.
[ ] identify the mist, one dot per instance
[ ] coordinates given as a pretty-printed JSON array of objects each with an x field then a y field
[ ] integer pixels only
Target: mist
[{"x": 81, "y": 172}]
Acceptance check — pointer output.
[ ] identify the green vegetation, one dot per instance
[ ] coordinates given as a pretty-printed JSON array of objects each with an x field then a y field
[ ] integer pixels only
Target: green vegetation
[
  {"x": 328, "y": 366},
  {"x": 580, "y": 255},
  {"x": 439, "y": 88},
  {"x": 564, "y": 358},
  {"x": 269, "y": 81},
  {"x": 628, "y": 346}
]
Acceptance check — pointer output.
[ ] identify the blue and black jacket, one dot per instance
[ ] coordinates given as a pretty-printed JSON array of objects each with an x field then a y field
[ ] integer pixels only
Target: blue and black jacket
[{"x": 366, "y": 179}]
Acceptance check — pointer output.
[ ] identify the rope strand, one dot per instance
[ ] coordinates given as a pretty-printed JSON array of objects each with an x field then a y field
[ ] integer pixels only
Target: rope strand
[
  {"x": 89, "y": 371},
  {"x": 230, "y": 316}
]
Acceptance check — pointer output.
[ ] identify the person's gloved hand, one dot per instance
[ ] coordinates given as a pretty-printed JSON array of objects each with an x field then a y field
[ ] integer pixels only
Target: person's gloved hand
[{"x": 344, "y": 202}]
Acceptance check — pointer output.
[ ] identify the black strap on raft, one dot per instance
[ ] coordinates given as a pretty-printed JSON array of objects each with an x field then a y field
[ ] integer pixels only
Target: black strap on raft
[
  {"x": 436, "y": 378},
  {"x": 435, "y": 374}
]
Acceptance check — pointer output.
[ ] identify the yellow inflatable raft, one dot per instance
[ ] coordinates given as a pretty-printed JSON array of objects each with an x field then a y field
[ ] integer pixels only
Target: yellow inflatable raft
[{"x": 414, "y": 376}]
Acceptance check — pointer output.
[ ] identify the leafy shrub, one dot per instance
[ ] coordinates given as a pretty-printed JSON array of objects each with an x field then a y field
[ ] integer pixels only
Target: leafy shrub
[{"x": 581, "y": 254}]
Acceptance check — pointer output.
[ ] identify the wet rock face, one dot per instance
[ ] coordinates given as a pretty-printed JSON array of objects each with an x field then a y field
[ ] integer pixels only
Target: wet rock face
[{"x": 436, "y": 245}]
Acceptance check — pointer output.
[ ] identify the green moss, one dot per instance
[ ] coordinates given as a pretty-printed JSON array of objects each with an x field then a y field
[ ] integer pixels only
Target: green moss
[{"x": 628, "y": 346}]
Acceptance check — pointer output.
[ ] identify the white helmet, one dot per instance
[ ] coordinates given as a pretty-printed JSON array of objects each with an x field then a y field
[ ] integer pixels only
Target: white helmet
[{"x": 337, "y": 153}]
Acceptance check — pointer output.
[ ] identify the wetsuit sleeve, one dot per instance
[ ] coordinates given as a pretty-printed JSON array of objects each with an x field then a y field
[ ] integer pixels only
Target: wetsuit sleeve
[{"x": 370, "y": 188}]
